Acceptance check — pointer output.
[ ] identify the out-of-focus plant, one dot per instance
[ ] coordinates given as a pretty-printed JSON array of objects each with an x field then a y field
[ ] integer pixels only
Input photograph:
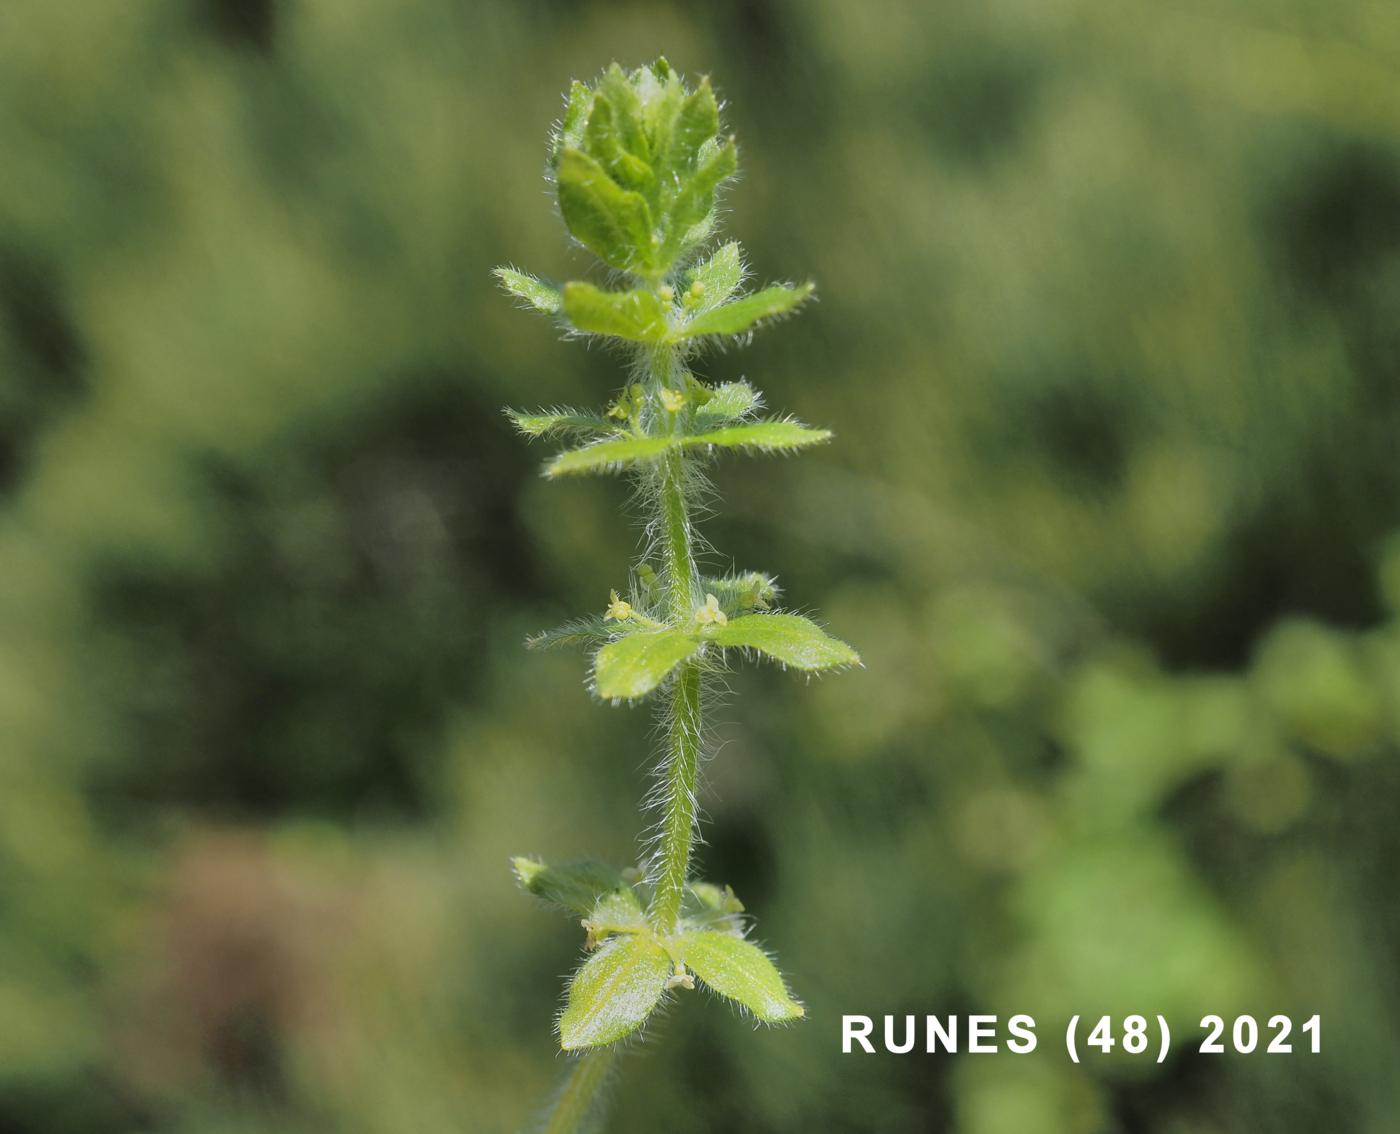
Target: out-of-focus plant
[{"x": 637, "y": 163}]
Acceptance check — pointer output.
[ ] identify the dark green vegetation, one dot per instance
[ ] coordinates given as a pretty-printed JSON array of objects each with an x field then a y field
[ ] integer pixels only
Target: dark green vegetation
[{"x": 1108, "y": 329}]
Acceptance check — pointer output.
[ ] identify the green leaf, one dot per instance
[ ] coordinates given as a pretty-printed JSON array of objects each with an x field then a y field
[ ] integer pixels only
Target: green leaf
[
  {"x": 787, "y": 638},
  {"x": 539, "y": 295},
  {"x": 577, "y": 887},
  {"x": 772, "y": 436},
  {"x": 565, "y": 420},
  {"x": 717, "y": 278},
  {"x": 636, "y": 315},
  {"x": 728, "y": 402},
  {"x": 570, "y": 135},
  {"x": 612, "y": 222},
  {"x": 739, "y": 594},
  {"x": 739, "y": 970},
  {"x": 580, "y": 632},
  {"x": 696, "y": 124},
  {"x": 614, "y": 992},
  {"x": 633, "y": 666},
  {"x": 617, "y": 88},
  {"x": 607, "y": 456},
  {"x": 742, "y": 314},
  {"x": 662, "y": 96},
  {"x": 602, "y": 141},
  {"x": 716, "y": 898},
  {"x": 707, "y": 906},
  {"x": 618, "y": 911},
  {"x": 696, "y": 198}
]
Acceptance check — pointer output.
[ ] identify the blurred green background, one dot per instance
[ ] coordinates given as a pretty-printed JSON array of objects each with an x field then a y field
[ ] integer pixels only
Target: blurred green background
[{"x": 1109, "y": 336}]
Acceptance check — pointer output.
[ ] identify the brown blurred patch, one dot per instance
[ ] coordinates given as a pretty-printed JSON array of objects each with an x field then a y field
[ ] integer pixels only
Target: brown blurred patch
[{"x": 224, "y": 968}]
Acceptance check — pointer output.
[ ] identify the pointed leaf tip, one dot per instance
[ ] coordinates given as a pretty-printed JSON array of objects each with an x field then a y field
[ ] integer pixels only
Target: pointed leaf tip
[
  {"x": 728, "y": 402},
  {"x": 709, "y": 284},
  {"x": 771, "y": 436},
  {"x": 576, "y": 887},
  {"x": 745, "y": 313},
  {"x": 527, "y": 869},
  {"x": 741, "y": 971},
  {"x": 580, "y": 632},
  {"x": 538, "y": 294},
  {"x": 555, "y": 422},
  {"x": 696, "y": 124},
  {"x": 786, "y": 638}
]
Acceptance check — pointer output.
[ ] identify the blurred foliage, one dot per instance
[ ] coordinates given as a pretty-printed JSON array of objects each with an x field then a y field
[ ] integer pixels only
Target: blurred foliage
[{"x": 1108, "y": 330}]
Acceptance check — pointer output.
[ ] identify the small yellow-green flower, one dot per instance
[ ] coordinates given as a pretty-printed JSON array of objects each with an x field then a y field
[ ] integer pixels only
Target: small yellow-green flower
[{"x": 711, "y": 613}]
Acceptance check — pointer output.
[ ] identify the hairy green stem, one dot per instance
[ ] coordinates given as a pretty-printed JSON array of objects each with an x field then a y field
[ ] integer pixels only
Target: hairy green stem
[
  {"x": 678, "y": 825},
  {"x": 679, "y": 576},
  {"x": 680, "y": 579},
  {"x": 577, "y": 1102}
]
